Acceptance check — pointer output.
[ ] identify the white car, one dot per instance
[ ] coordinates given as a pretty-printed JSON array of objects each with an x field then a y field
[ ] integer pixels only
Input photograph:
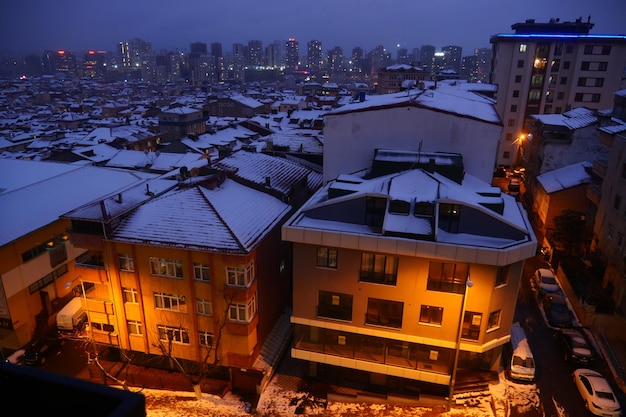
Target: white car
[
  {"x": 546, "y": 281},
  {"x": 597, "y": 394}
]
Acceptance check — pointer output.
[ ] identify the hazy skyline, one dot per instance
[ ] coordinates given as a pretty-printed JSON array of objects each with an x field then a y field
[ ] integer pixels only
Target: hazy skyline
[{"x": 31, "y": 26}]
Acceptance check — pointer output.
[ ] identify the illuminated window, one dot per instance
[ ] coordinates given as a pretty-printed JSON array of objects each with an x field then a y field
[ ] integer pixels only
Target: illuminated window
[
  {"x": 327, "y": 258},
  {"x": 204, "y": 306},
  {"x": 127, "y": 263},
  {"x": 174, "y": 334},
  {"x": 166, "y": 267},
  {"x": 201, "y": 272},
  {"x": 130, "y": 295},
  {"x": 523, "y": 47},
  {"x": 240, "y": 276},
  {"x": 172, "y": 302},
  {"x": 378, "y": 269},
  {"x": 431, "y": 314},
  {"x": 134, "y": 327}
]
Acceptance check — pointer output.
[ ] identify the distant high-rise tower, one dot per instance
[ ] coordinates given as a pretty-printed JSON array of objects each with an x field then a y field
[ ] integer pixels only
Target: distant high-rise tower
[
  {"x": 335, "y": 60},
  {"x": 427, "y": 54},
  {"x": 315, "y": 62},
  {"x": 291, "y": 54},
  {"x": 216, "y": 53},
  {"x": 550, "y": 68},
  {"x": 198, "y": 48},
  {"x": 356, "y": 59},
  {"x": 255, "y": 53},
  {"x": 452, "y": 58},
  {"x": 272, "y": 54}
]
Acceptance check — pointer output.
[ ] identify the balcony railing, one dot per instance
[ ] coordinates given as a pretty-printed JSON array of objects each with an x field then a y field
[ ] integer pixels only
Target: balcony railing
[{"x": 88, "y": 260}]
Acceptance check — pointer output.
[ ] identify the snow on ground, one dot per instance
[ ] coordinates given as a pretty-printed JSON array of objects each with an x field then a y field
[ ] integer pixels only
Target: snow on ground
[{"x": 278, "y": 401}]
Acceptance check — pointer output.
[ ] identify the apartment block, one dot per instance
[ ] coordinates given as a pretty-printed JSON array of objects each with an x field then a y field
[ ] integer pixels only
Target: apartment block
[
  {"x": 551, "y": 68},
  {"x": 402, "y": 275}
]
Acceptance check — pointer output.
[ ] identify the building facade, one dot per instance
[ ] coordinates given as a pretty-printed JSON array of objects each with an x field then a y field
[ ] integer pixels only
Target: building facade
[
  {"x": 550, "y": 68},
  {"x": 397, "y": 283}
]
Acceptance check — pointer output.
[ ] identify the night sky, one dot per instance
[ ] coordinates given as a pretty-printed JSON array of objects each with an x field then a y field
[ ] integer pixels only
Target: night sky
[{"x": 31, "y": 26}]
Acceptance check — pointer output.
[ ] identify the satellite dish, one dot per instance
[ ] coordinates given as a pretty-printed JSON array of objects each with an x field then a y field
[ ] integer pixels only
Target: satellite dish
[{"x": 184, "y": 172}]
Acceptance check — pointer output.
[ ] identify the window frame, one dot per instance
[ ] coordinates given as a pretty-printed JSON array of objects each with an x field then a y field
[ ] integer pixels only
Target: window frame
[
  {"x": 248, "y": 311},
  {"x": 167, "y": 268},
  {"x": 335, "y": 305},
  {"x": 381, "y": 312},
  {"x": 130, "y": 295},
  {"x": 240, "y": 276},
  {"x": 181, "y": 333},
  {"x": 134, "y": 327},
  {"x": 431, "y": 315},
  {"x": 376, "y": 268},
  {"x": 326, "y": 257},
  {"x": 444, "y": 276},
  {"x": 201, "y": 272},
  {"x": 169, "y": 302},
  {"x": 126, "y": 262}
]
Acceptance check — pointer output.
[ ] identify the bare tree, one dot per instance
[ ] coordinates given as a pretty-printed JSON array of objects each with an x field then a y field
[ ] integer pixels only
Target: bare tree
[{"x": 209, "y": 361}]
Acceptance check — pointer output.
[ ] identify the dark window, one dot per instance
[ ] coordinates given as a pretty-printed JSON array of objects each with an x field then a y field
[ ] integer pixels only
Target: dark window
[
  {"x": 424, "y": 209},
  {"x": 566, "y": 65},
  {"x": 502, "y": 275},
  {"x": 518, "y": 78},
  {"x": 471, "y": 325},
  {"x": 334, "y": 305},
  {"x": 379, "y": 269},
  {"x": 399, "y": 207},
  {"x": 447, "y": 276},
  {"x": 375, "y": 211},
  {"x": 560, "y": 95},
  {"x": 449, "y": 217},
  {"x": 593, "y": 66},
  {"x": 569, "y": 49},
  {"x": 431, "y": 315},
  {"x": 494, "y": 320},
  {"x": 515, "y": 93},
  {"x": 617, "y": 201},
  {"x": 563, "y": 80},
  {"x": 520, "y": 63},
  {"x": 327, "y": 258},
  {"x": 511, "y": 122},
  {"x": 384, "y": 312}
]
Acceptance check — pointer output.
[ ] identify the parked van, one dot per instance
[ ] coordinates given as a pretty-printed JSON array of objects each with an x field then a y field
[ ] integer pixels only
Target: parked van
[
  {"x": 522, "y": 362},
  {"x": 72, "y": 316}
]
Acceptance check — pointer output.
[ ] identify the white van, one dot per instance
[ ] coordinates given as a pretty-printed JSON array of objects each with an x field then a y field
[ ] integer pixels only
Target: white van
[
  {"x": 72, "y": 316},
  {"x": 522, "y": 361}
]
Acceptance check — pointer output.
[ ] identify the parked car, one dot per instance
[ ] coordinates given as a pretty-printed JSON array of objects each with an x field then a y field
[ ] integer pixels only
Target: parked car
[
  {"x": 514, "y": 186},
  {"x": 36, "y": 352},
  {"x": 500, "y": 172},
  {"x": 577, "y": 348},
  {"x": 545, "y": 281},
  {"x": 597, "y": 393},
  {"x": 16, "y": 357},
  {"x": 557, "y": 311}
]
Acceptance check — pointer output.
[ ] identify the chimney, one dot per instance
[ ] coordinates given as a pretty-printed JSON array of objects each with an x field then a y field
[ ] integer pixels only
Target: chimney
[
  {"x": 267, "y": 182},
  {"x": 119, "y": 197}
]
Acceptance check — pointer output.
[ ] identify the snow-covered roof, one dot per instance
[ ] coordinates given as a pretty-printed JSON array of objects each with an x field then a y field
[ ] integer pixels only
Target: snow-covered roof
[
  {"x": 497, "y": 220},
  {"x": 264, "y": 170},
  {"x": 446, "y": 97},
  {"x": 566, "y": 177},
  {"x": 46, "y": 190},
  {"x": 230, "y": 218},
  {"x": 573, "y": 119}
]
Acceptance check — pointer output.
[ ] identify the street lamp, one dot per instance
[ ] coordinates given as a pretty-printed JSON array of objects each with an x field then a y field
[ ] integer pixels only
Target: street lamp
[
  {"x": 468, "y": 284},
  {"x": 519, "y": 141}
]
